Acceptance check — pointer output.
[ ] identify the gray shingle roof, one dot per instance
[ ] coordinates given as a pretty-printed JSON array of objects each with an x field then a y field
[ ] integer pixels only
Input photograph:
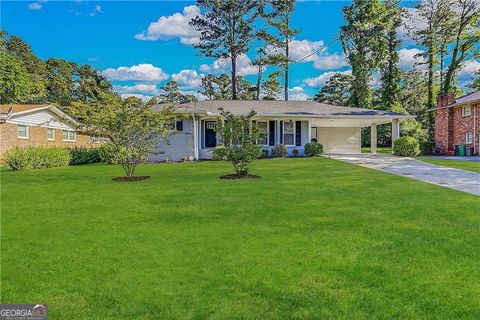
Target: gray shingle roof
[
  {"x": 475, "y": 96},
  {"x": 280, "y": 108}
]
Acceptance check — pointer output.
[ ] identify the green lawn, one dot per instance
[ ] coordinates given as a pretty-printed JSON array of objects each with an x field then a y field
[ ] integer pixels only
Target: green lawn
[
  {"x": 379, "y": 150},
  {"x": 314, "y": 238},
  {"x": 465, "y": 165}
]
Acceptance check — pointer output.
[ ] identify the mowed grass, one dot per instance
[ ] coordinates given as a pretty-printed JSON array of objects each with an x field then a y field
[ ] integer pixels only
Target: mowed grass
[
  {"x": 387, "y": 150},
  {"x": 311, "y": 239},
  {"x": 458, "y": 164}
]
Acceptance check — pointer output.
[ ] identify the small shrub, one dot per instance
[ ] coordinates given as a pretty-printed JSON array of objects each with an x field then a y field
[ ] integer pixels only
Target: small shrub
[
  {"x": 427, "y": 148},
  {"x": 106, "y": 152},
  {"x": 295, "y": 153},
  {"x": 219, "y": 153},
  {"x": 84, "y": 156},
  {"x": 280, "y": 151},
  {"x": 37, "y": 158},
  {"x": 313, "y": 149},
  {"x": 264, "y": 153},
  {"x": 406, "y": 147}
]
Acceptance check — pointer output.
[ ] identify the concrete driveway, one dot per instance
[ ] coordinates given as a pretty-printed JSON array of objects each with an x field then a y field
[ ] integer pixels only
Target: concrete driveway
[{"x": 457, "y": 179}]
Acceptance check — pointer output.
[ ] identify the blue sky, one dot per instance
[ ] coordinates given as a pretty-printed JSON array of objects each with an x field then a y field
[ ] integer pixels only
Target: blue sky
[{"x": 141, "y": 45}]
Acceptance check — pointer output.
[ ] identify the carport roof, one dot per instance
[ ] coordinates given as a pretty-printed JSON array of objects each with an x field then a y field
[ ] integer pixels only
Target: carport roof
[{"x": 281, "y": 108}]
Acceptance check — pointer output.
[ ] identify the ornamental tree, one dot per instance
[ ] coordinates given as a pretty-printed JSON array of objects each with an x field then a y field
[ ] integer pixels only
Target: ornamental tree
[
  {"x": 132, "y": 128},
  {"x": 239, "y": 137}
]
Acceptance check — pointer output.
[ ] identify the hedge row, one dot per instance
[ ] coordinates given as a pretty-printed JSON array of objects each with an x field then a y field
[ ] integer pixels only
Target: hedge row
[{"x": 48, "y": 157}]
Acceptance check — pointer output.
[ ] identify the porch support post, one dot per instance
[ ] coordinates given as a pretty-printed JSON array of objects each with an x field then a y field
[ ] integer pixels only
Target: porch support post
[
  {"x": 195, "y": 137},
  {"x": 277, "y": 131},
  {"x": 395, "y": 131},
  {"x": 309, "y": 134},
  {"x": 373, "y": 138}
]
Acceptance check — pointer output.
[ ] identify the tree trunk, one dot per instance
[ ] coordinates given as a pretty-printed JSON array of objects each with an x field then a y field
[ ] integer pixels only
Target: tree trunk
[
  {"x": 234, "y": 78},
  {"x": 286, "y": 69},
  {"x": 259, "y": 81}
]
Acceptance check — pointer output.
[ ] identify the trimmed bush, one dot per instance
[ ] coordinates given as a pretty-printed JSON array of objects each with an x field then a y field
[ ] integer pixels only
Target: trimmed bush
[
  {"x": 313, "y": 149},
  {"x": 84, "y": 156},
  {"x": 219, "y": 153},
  {"x": 264, "y": 153},
  {"x": 295, "y": 153},
  {"x": 427, "y": 148},
  {"x": 279, "y": 151},
  {"x": 105, "y": 152},
  {"x": 37, "y": 158},
  {"x": 406, "y": 147}
]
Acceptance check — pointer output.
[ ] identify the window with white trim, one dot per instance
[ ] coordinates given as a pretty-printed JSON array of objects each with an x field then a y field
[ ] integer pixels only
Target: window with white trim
[
  {"x": 288, "y": 133},
  {"x": 69, "y": 136},
  {"x": 22, "y": 131},
  {"x": 468, "y": 138},
  {"x": 263, "y": 133},
  {"x": 466, "y": 111},
  {"x": 50, "y": 134}
]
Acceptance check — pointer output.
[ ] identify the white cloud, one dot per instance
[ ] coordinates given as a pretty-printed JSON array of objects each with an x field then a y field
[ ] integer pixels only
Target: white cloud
[
  {"x": 219, "y": 66},
  {"x": 139, "y": 72},
  {"x": 407, "y": 59},
  {"x": 97, "y": 10},
  {"x": 188, "y": 79},
  {"x": 302, "y": 48},
  {"x": 174, "y": 26},
  {"x": 297, "y": 93},
  {"x": 330, "y": 62},
  {"x": 320, "y": 81},
  {"x": 35, "y": 6},
  {"x": 141, "y": 88},
  {"x": 136, "y": 95},
  {"x": 468, "y": 70},
  {"x": 312, "y": 51}
]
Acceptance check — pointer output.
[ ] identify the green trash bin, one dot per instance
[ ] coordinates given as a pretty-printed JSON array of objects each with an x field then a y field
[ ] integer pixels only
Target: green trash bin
[{"x": 461, "y": 151}]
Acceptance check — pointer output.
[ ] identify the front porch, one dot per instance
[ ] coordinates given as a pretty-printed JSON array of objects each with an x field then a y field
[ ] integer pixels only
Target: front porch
[{"x": 337, "y": 135}]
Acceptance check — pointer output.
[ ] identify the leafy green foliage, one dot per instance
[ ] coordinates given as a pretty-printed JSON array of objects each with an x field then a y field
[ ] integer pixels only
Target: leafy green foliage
[
  {"x": 238, "y": 136},
  {"x": 106, "y": 152},
  {"x": 264, "y": 153},
  {"x": 295, "y": 153},
  {"x": 279, "y": 151},
  {"x": 81, "y": 155},
  {"x": 36, "y": 158},
  {"x": 173, "y": 95},
  {"x": 406, "y": 147},
  {"x": 365, "y": 49},
  {"x": 133, "y": 129},
  {"x": 313, "y": 149},
  {"x": 226, "y": 30},
  {"x": 14, "y": 83},
  {"x": 219, "y": 153},
  {"x": 336, "y": 90}
]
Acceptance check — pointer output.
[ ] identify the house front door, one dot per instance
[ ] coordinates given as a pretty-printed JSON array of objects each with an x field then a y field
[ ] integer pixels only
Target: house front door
[{"x": 210, "y": 134}]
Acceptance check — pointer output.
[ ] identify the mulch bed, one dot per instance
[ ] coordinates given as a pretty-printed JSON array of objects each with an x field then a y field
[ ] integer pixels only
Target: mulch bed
[
  {"x": 134, "y": 178},
  {"x": 235, "y": 176}
]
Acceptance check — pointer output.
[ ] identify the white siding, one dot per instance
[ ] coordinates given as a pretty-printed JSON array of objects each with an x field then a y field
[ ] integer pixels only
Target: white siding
[
  {"x": 340, "y": 140},
  {"x": 177, "y": 146},
  {"x": 43, "y": 118}
]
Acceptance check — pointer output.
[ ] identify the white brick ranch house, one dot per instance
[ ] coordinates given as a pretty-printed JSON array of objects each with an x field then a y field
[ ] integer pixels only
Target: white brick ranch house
[{"x": 293, "y": 123}]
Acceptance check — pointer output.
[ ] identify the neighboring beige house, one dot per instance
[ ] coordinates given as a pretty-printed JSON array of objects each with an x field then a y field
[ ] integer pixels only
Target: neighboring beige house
[
  {"x": 293, "y": 123},
  {"x": 39, "y": 125}
]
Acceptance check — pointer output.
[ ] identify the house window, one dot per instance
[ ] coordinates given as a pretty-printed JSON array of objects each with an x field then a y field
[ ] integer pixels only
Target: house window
[
  {"x": 50, "y": 134},
  {"x": 22, "y": 132},
  {"x": 69, "y": 135},
  {"x": 313, "y": 134},
  {"x": 263, "y": 133},
  {"x": 466, "y": 111},
  {"x": 288, "y": 133},
  {"x": 468, "y": 138}
]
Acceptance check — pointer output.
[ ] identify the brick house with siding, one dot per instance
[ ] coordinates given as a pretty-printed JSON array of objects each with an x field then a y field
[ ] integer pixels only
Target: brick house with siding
[
  {"x": 457, "y": 122},
  {"x": 39, "y": 125}
]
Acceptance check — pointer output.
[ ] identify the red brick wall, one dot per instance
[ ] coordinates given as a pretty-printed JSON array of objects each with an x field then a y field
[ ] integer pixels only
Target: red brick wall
[
  {"x": 451, "y": 128},
  {"x": 38, "y": 137}
]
